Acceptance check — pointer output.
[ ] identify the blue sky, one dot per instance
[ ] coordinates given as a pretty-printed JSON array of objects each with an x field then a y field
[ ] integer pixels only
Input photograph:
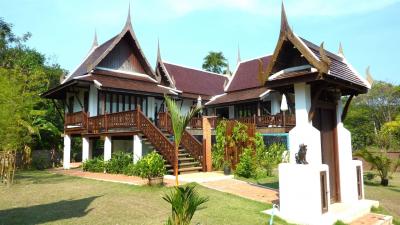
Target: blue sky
[{"x": 188, "y": 29}]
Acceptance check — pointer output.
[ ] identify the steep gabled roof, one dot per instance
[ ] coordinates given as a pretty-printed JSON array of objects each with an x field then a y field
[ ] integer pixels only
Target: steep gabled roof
[
  {"x": 246, "y": 74},
  {"x": 323, "y": 62},
  {"x": 98, "y": 53},
  {"x": 194, "y": 81}
]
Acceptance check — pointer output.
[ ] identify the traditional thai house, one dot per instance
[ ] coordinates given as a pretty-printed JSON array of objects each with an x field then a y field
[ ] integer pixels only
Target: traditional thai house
[{"x": 114, "y": 97}]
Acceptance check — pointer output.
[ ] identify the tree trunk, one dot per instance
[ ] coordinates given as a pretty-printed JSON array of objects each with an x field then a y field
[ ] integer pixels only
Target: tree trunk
[{"x": 384, "y": 182}]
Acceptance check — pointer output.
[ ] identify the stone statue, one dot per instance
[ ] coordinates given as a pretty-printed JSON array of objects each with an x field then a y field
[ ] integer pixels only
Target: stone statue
[{"x": 301, "y": 155}]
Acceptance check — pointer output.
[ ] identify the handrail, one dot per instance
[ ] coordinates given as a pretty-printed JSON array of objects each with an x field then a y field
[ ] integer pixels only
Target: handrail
[
  {"x": 189, "y": 142},
  {"x": 76, "y": 119},
  {"x": 157, "y": 138}
]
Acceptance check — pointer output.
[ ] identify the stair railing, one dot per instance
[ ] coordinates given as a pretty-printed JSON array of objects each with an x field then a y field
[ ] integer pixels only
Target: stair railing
[
  {"x": 157, "y": 138},
  {"x": 189, "y": 142}
]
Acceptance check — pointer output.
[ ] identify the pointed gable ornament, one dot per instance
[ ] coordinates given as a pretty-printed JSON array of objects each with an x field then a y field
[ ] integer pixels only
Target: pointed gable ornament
[
  {"x": 285, "y": 28},
  {"x": 95, "y": 42},
  {"x": 369, "y": 77},
  {"x": 325, "y": 60},
  {"x": 340, "y": 52}
]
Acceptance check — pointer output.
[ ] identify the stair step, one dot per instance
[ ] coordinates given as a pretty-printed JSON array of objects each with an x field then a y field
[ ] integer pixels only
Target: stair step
[
  {"x": 187, "y": 159},
  {"x": 196, "y": 168},
  {"x": 183, "y": 154},
  {"x": 188, "y": 164}
]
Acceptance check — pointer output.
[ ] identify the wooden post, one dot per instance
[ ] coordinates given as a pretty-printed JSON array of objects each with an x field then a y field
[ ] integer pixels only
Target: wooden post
[{"x": 207, "y": 144}]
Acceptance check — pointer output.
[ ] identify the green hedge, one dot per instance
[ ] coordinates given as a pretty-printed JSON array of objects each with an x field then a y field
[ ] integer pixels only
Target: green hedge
[{"x": 152, "y": 165}]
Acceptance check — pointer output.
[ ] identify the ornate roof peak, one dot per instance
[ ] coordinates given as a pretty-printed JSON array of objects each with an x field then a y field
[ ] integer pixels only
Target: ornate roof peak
[{"x": 95, "y": 42}]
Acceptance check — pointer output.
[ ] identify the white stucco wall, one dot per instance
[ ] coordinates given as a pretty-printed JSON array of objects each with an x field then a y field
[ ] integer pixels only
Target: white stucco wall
[
  {"x": 300, "y": 192},
  {"x": 347, "y": 166},
  {"x": 93, "y": 95},
  {"x": 304, "y": 132},
  {"x": 187, "y": 104}
]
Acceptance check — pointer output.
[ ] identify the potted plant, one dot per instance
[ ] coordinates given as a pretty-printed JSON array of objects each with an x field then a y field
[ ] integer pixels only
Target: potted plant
[
  {"x": 227, "y": 167},
  {"x": 151, "y": 167}
]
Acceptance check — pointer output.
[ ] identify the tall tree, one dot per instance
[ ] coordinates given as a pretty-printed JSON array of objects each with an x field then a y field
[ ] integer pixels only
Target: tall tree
[
  {"x": 24, "y": 75},
  {"x": 215, "y": 62}
]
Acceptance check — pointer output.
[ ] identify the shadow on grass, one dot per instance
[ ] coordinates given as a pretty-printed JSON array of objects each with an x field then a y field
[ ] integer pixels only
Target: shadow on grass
[
  {"x": 45, "y": 213},
  {"x": 271, "y": 184},
  {"x": 40, "y": 177}
]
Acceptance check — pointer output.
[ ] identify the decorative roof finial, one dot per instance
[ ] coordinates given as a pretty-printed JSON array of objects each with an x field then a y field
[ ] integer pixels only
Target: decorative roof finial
[
  {"x": 238, "y": 55},
  {"x": 95, "y": 43},
  {"x": 340, "y": 52},
  {"x": 128, "y": 19},
  {"x": 284, "y": 21},
  {"x": 369, "y": 77},
  {"x": 158, "y": 50}
]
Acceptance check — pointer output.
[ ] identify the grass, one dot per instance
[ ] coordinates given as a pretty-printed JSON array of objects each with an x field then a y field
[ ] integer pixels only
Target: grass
[
  {"x": 45, "y": 198},
  {"x": 388, "y": 197}
]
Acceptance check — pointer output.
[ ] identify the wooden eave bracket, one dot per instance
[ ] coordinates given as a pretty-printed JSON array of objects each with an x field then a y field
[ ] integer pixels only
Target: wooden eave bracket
[
  {"x": 346, "y": 108},
  {"x": 311, "y": 113}
]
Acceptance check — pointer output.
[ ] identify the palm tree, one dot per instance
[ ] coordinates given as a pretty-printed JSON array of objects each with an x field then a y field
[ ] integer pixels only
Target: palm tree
[
  {"x": 215, "y": 62},
  {"x": 184, "y": 202},
  {"x": 381, "y": 162},
  {"x": 179, "y": 123}
]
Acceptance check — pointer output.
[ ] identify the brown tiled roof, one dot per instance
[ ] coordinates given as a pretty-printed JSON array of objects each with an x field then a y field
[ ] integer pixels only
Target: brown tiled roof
[
  {"x": 246, "y": 75},
  {"x": 339, "y": 67},
  {"x": 193, "y": 81},
  {"x": 91, "y": 58},
  {"x": 237, "y": 96},
  {"x": 124, "y": 84}
]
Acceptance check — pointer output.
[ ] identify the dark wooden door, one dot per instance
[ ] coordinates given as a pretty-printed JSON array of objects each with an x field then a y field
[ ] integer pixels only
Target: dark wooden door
[{"x": 325, "y": 122}]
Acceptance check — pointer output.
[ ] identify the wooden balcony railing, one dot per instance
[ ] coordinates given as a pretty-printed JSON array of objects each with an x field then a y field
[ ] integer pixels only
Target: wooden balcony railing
[
  {"x": 189, "y": 142},
  {"x": 260, "y": 121},
  {"x": 76, "y": 120}
]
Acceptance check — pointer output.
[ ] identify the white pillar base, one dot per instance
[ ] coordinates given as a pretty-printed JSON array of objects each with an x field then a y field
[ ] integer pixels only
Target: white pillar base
[
  {"x": 85, "y": 149},
  {"x": 107, "y": 148},
  {"x": 67, "y": 152},
  {"x": 137, "y": 148}
]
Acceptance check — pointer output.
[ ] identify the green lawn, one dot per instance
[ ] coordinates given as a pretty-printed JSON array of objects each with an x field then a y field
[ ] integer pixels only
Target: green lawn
[
  {"x": 41, "y": 197},
  {"x": 388, "y": 197}
]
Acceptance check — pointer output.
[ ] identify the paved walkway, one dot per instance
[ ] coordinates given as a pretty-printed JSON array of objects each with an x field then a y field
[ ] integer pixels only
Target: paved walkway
[
  {"x": 244, "y": 189},
  {"x": 118, "y": 178},
  {"x": 374, "y": 219}
]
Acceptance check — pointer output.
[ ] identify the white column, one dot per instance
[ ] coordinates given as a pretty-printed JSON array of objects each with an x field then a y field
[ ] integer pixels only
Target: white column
[
  {"x": 137, "y": 148},
  {"x": 304, "y": 132},
  {"x": 107, "y": 148},
  {"x": 67, "y": 151},
  {"x": 85, "y": 149}
]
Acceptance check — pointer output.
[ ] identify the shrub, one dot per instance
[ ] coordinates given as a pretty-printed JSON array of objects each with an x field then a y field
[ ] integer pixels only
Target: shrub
[
  {"x": 96, "y": 165},
  {"x": 130, "y": 170},
  {"x": 246, "y": 167},
  {"x": 152, "y": 165},
  {"x": 40, "y": 163},
  {"x": 219, "y": 146},
  {"x": 118, "y": 162},
  {"x": 381, "y": 162},
  {"x": 184, "y": 203}
]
